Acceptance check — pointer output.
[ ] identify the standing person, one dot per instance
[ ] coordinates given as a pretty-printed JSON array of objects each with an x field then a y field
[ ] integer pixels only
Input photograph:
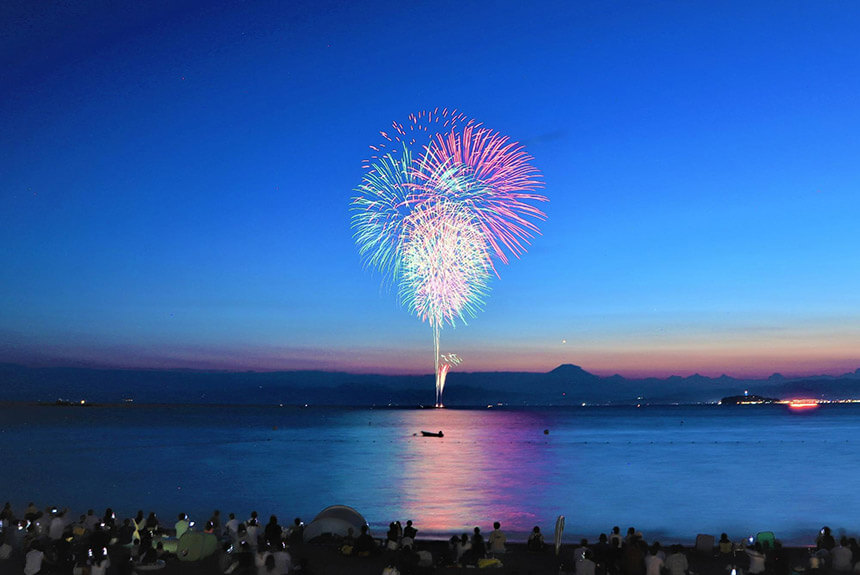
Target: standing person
[
  {"x": 57, "y": 526},
  {"x": 631, "y": 535},
  {"x": 841, "y": 556},
  {"x": 633, "y": 560},
  {"x": 99, "y": 539},
  {"x": 283, "y": 560},
  {"x": 253, "y": 533},
  {"x": 579, "y": 552},
  {"x": 232, "y": 526},
  {"x": 825, "y": 539},
  {"x": 139, "y": 522},
  {"x": 601, "y": 553},
  {"x": 33, "y": 560},
  {"x": 586, "y": 566},
  {"x": 109, "y": 519},
  {"x": 32, "y": 512},
  {"x": 297, "y": 533},
  {"x": 216, "y": 522},
  {"x": 126, "y": 532},
  {"x": 151, "y": 522},
  {"x": 392, "y": 537},
  {"x": 273, "y": 532},
  {"x": 756, "y": 559},
  {"x": 497, "y": 539},
  {"x": 409, "y": 534},
  {"x": 777, "y": 560},
  {"x": 653, "y": 561},
  {"x": 181, "y": 525},
  {"x": 99, "y": 564},
  {"x": 7, "y": 517},
  {"x": 726, "y": 547},
  {"x": 615, "y": 538},
  {"x": 676, "y": 563},
  {"x": 91, "y": 521},
  {"x": 264, "y": 561},
  {"x": 479, "y": 548}
]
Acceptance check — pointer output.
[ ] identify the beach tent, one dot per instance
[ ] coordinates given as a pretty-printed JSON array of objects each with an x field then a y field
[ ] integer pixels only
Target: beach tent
[
  {"x": 705, "y": 543},
  {"x": 193, "y": 546},
  {"x": 766, "y": 538},
  {"x": 334, "y": 520}
]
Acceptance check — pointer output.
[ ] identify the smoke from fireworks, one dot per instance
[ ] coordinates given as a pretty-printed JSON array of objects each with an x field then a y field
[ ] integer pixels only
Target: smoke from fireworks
[{"x": 441, "y": 198}]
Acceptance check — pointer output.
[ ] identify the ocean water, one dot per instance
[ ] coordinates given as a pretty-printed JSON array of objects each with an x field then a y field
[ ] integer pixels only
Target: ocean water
[{"x": 671, "y": 472}]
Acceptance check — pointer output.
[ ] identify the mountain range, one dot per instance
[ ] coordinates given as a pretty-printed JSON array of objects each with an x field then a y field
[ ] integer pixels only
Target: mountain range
[{"x": 565, "y": 385}]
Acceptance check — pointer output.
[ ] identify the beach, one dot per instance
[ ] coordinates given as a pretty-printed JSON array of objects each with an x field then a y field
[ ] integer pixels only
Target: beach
[{"x": 325, "y": 558}]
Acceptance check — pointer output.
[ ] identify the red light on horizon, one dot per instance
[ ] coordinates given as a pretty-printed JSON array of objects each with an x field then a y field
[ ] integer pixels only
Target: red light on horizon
[{"x": 802, "y": 404}]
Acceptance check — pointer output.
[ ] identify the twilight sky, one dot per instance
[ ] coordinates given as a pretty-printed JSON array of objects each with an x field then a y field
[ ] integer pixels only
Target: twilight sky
[{"x": 175, "y": 181}]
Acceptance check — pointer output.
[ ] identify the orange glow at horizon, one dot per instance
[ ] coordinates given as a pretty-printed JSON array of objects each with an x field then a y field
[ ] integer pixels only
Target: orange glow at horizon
[{"x": 802, "y": 404}]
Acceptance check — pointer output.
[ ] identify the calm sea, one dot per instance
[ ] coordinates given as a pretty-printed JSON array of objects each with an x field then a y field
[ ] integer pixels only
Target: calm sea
[{"x": 671, "y": 472}]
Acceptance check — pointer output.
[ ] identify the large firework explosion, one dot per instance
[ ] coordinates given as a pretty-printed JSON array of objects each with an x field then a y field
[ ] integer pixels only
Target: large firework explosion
[{"x": 441, "y": 199}]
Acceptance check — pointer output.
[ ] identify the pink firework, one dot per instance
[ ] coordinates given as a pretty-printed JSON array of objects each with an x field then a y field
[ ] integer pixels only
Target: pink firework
[
  {"x": 417, "y": 132},
  {"x": 492, "y": 176}
]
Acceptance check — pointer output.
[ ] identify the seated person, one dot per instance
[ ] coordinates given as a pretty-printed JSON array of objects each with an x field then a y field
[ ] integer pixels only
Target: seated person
[
  {"x": 463, "y": 546},
  {"x": 497, "y": 539},
  {"x": 364, "y": 545},
  {"x": 535, "y": 542}
]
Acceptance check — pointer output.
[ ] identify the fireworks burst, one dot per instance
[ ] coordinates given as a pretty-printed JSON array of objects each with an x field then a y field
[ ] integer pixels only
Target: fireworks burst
[
  {"x": 432, "y": 223},
  {"x": 493, "y": 176},
  {"x": 445, "y": 271}
]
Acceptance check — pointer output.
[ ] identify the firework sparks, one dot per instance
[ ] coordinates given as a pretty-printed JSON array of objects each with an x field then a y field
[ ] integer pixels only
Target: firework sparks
[
  {"x": 431, "y": 223},
  {"x": 446, "y": 362},
  {"x": 490, "y": 174},
  {"x": 445, "y": 271}
]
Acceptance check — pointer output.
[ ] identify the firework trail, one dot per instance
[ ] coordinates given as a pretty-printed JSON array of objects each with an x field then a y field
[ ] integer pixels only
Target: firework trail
[
  {"x": 441, "y": 198},
  {"x": 446, "y": 269},
  {"x": 446, "y": 362}
]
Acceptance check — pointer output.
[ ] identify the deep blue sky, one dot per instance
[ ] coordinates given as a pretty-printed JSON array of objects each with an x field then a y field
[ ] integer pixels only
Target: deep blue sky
[{"x": 176, "y": 179}]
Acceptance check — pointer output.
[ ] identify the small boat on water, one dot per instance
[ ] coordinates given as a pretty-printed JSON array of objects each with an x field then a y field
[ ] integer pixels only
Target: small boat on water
[{"x": 432, "y": 434}]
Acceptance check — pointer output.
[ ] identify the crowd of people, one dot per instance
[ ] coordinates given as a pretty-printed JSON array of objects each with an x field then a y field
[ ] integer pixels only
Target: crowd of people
[
  {"x": 51, "y": 540},
  {"x": 630, "y": 554}
]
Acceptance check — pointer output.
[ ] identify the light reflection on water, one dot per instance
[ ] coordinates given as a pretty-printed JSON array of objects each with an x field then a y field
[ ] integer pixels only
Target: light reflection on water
[{"x": 671, "y": 472}]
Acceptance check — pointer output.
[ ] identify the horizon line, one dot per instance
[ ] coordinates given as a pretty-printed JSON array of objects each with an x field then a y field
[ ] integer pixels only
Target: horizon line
[{"x": 603, "y": 374}]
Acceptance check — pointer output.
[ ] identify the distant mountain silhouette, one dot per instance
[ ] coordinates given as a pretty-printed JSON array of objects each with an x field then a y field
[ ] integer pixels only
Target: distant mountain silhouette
[
  {"x": 572, "y": 373},
  {"x": 567, "y": 384}
]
